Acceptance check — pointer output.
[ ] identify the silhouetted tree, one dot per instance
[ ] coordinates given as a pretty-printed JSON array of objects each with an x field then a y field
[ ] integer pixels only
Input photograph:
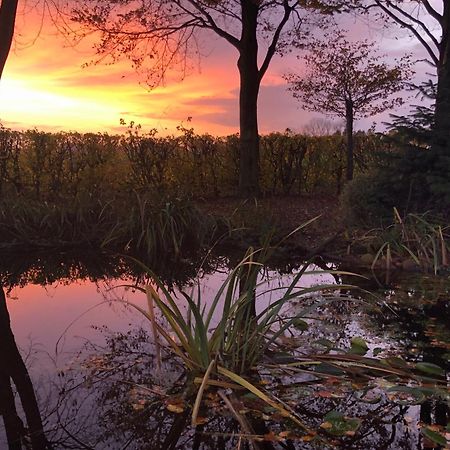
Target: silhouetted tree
[
  {"x": 346, "y": 80},
  {"x": 12, "y": 368},
  {"x": 159, "y": 34},
  {"x": 429, "y": 23},
  {"x": 8, "y": 11}
]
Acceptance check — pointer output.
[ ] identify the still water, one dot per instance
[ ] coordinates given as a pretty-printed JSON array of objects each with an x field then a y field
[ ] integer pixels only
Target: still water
[{"x": 92, "y": 365}]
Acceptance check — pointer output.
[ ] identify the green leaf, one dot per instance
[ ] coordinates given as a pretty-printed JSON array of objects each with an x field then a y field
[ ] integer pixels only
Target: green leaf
[
  {"x": 434, "y": 436},
  {"x": 430, "y": 369},
  {"x": 377, "y": 351},
  {"x": 358, "y": 346},
  {"x": 337, "y": 424},
  {"x": 299, "y": 324},
  {"x": 405, "y": 395},
  {"x": 395, "y": 362}
]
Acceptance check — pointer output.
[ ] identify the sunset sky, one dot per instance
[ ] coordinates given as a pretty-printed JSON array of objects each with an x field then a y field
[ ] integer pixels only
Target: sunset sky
[{"x": 45, "y": 86}]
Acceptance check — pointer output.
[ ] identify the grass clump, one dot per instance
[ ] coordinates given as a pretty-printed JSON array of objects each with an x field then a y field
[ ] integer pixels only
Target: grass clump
[
  {"x": 415, "y": 241},
  {"x": 167, "y": 228}
]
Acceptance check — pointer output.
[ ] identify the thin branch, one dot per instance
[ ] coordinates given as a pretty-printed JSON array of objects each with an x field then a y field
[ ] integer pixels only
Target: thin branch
[
  {"x": 276, "y": 37},
  {"x": 416, "y": 21},
  {"x": 213, "y": 25},
  {"x": 404, "y": 24},
  {"x": 432, "y": 12}
]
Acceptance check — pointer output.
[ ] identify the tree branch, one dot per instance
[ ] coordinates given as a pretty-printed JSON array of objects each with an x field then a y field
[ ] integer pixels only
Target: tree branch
[
  {"x": 276, "y": 37},
  {"x": 213, "y": 25},
  {"x": 432, "y": 12},
  {"x": 416, "y": 21},
  {"x": 408, "y": 26}
]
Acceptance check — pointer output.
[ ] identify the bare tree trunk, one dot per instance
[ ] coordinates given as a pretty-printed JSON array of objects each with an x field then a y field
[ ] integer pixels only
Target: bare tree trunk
[
  {"x": 13, "y": 424},
  {"x": 349, "y": 118},
  {"x": 442, "y": 112},
  {"x": 8, "y": 10},
  {"x": 14, "y": 368},
  {"x": 248, "y": 102}
]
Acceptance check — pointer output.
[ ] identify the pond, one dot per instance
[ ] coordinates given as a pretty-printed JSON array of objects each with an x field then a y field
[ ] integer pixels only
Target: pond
[{"x": 98, "y": 381}]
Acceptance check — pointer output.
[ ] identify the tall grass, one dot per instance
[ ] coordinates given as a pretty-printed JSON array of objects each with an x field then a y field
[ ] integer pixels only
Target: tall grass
[
  {"x": 232, "y": 330},
  {"x": 419, "y": 238},
  {"x": 164, "y": 229}
]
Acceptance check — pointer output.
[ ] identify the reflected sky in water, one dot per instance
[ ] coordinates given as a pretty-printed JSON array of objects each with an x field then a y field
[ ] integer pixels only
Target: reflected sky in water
[{"x": 57, "y": 327}]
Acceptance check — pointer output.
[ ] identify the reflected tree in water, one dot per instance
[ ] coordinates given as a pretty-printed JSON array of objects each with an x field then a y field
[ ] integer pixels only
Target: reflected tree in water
[{"x": 14, "y": 371}]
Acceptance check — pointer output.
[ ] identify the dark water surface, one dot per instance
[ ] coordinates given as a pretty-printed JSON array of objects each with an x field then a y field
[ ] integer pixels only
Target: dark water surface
[{"x": 96, "y": 385}]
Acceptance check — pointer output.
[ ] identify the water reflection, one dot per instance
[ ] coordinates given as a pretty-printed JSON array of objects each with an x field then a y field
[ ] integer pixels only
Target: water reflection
[
  {"x": 13, "y": 370},
  {"x": 136, "y": 408},
  {"x": 111, "y": 395}
]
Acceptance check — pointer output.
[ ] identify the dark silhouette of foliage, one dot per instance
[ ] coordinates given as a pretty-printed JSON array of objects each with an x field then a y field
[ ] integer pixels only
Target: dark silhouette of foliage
[
  {"x": 429, "y": 23},
  {"x": 8, "y": 11},
  {"x": 347, "y": 80},
  {"x": 157, "y": 35}
]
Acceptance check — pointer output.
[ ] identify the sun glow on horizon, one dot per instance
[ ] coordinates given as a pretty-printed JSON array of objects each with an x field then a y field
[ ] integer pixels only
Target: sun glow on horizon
[
  {"x": 44, "y": 86},
  {"x": 23, "y": 103}
]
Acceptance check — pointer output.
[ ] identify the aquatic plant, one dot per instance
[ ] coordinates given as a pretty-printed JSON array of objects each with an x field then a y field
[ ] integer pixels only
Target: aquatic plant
[
  {"x": 253, "y": 358},
  {"x": 418, "y": 240}
]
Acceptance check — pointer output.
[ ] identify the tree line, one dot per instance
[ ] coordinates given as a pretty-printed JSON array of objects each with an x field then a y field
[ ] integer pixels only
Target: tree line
[{"x": 156, "y": 35}]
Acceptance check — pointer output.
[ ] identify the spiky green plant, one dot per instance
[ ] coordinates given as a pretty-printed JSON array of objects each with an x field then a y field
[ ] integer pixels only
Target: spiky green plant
[{"x": 243, "y": 333}]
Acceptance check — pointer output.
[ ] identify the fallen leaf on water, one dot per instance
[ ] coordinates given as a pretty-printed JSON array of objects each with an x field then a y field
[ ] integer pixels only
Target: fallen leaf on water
[
  {"x": 175, "y": 405},
  {"x": 201, "y": 420},
  {"x": 308, "y": 438},
  {"x": 324, "y": 394}
]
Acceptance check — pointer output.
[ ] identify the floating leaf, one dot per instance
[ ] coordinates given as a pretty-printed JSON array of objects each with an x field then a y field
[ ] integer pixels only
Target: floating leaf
[
  {"x": 337, "y": 424},
  {"x": 299, "y": 324},
  {"x": 405, "y": 395},
  {"x": 358, "y": 346},
  {"x": 430, "y": 369},
  {"x": 201, "y": 420},
  {"x": 377, "y": 351},
  {"x": 175, "y": 405},
  {"x": 308, "y": 438}
]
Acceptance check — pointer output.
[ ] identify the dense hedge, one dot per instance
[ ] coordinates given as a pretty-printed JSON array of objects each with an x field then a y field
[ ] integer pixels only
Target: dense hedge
[{"x": 51, "y": 166}]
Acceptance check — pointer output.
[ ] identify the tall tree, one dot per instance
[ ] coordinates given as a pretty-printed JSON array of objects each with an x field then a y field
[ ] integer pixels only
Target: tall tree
[
  {"x": 159, "y": 34},
  {"x": 429, "y": 22},
  {"x": 346, "y": 80},
  {"x": 8, "y": 12}
]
